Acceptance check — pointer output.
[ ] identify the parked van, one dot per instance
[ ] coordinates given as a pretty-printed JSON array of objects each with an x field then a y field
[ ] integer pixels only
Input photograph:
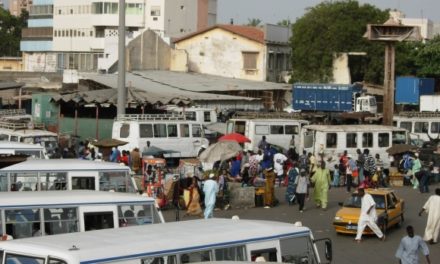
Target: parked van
[
  {"x": 421, "y": 125},
  {"x": 17, "y": 148},
  {"x": 278, "y": 131},
  {"x": 201, "y": 115},
  {"x": 66, "y": 174},
  {"x": 332, "y": 140},
  {"x": 172, "y": 132},
  {"x": 16, "y": 126},
  {"x": 27, "y": 214},
  {"x": 193, "y": 241}
]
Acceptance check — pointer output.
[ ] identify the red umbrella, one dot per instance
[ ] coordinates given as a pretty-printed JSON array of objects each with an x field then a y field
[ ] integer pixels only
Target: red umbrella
[{"x": 239, "y": 138}]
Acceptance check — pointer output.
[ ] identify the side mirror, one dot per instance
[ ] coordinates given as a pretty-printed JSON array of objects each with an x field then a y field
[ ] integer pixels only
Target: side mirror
[
  {"x": 341, "y": 204},
  {"x": 328, "y": 250}
]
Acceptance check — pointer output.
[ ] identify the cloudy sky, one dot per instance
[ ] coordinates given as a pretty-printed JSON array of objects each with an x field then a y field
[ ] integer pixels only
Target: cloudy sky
[{"x": 273, "y": 11}]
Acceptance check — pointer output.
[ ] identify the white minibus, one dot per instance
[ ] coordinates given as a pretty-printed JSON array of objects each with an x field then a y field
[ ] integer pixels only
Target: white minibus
[
  {"x": 17, "y": 148},
  {"x": 173, "y": 243},
  {"x": 332, "y": 140},
  {"x": 27, "y": 214},
  {"x": 423, "y": 126},
  {"x": 66, "y": 174},
  {"x": 169, "y": 132}
]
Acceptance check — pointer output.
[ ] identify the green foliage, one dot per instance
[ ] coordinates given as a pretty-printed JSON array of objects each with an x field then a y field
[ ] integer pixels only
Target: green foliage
[
  {"x": 285, "y": 23},
  {"x": 10, "y": 32},
  {"x": 332, "y": 27},
  {"x": 253, "y": 22}
]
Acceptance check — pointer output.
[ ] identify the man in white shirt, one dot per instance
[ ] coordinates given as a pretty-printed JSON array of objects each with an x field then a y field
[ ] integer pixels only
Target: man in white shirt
[
  {"x": 278, "y": 164},
  {"x": 368, "y": 216},
  {"x": 408, "y": 251}
]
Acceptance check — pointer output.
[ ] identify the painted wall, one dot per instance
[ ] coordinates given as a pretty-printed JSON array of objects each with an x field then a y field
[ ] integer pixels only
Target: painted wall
[
  {"x": 40, "y": 62},
  {"x": 219, "y": 52},
  {"x": 87, "y": 127},
  {"x": 11, "y": 64}
]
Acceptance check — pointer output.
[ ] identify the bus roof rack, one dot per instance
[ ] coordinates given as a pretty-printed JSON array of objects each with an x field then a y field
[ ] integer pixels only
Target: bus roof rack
[
  {"x": 269, "y": 115},
  {"x": 17, "y": 125},
  {"x": 419, "y": 114},
  {"x": 12, "y": 112},
  {"x": 152, "y": 117}
]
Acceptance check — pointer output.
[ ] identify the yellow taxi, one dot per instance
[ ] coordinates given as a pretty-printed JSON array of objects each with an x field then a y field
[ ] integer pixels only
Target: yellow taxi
[{"x": 389, "y": 209}]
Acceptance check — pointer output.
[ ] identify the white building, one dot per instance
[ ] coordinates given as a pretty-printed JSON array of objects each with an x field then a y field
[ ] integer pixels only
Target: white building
[
  {"x": 76, "y": 32},
  {"x": 425, "y": 24}
]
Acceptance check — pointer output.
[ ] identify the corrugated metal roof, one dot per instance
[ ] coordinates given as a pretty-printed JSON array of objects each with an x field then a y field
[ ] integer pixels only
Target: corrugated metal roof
[
  {"x": 209, "y": 83},
  {"x": 161, "y": 89}
]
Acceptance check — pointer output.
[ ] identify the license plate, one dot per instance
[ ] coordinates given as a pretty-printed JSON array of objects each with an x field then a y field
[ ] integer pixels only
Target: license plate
[{"x": 351, "y": 227}]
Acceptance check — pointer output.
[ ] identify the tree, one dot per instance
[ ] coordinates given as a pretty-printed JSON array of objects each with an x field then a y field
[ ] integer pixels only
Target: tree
[
  {"x": 10, "y": 32},
  {"x": 427, "y": 59},
  {"x": 285, "y": 23},
  {"x": 332, "y": 27},
  {"x": 253, "y": 22}
]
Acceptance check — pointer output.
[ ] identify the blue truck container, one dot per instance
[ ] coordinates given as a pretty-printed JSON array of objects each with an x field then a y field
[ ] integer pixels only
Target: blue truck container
[
  {"x": 324, "y": 97},
  {"x": 409, "y": 89}
]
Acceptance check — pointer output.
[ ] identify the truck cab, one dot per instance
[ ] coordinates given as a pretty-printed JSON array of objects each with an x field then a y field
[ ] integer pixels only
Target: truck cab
[{"x": 366, "y": 103}]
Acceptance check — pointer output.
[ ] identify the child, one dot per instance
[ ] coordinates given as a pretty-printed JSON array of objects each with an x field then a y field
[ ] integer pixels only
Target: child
[
  {"x": 336, "y": 177},
  {"x": 302, "y": 183}
]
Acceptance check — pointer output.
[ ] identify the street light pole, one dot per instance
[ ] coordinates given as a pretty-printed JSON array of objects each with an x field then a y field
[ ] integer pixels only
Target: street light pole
[{"x": 122, "y": 91}]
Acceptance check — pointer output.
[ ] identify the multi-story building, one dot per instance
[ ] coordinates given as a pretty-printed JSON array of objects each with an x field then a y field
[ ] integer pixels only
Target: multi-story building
[
  {"x": 15, "y": 6},
  {"x": 75, "y": 33}
]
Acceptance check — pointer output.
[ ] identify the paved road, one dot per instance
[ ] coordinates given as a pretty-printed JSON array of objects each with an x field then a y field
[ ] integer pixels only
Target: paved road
[{"x": 345, "y": 250}]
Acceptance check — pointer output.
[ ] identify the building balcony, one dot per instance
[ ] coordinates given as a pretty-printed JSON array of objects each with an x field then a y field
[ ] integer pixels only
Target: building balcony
[{"x": 37, "y": 33}]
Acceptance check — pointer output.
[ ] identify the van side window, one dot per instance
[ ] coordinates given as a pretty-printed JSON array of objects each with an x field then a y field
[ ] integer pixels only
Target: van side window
[
  {"x": 124, "y": 132},
  {"x": 146, "y": 130},
  {"x": 231, "y": 254},
  {"x": 200, "y": 256},
  {"x": 406, "y": 125},
  {"x": 331, "y": 140},
  {"x": 160, "y": 130},
  {"x": 14, "y": 138},
  {"x": 297, "y": 250},
  {"x": 4, "y": 137},
  {"x": 421, "y": 127},
  {"x": 383, "y": 140},
  {"x": 172, "y": 130},
  {"x": 261, "y": 130},
  {"x": 435, "y": 127},
  {"x": 207, "y": 116},
  {"x": 367, "y": 140},
  {"x": 351, "y": 140},
  {"x": 56, "y": 261},
  {"x": 277, "y": 130},
  {"x": 196, "y": 131},
  {"x": 291, "y": 130},
  {"x": 184, "y": 130}
]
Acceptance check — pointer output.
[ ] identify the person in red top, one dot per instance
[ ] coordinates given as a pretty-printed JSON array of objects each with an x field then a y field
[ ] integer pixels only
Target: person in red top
[
  {"x": 125, "y": 158},
  {"x": 343, "y": 163}
]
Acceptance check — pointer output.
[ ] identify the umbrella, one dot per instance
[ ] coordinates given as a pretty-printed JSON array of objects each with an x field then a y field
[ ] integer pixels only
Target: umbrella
[
  {"x": 108, "y": 143},
  {"x": 237, "y": 137},
  {"x": 401, "y": 148},
  {"x": 155, "y": 151},
  {"x": 221, "y": 150}
]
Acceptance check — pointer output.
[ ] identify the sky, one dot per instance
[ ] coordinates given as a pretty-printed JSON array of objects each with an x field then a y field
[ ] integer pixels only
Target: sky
[{"x": 273, "y": 11}]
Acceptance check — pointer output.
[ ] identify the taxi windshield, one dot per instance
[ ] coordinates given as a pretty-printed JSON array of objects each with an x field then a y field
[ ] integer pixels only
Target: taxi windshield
[{"x": 355, "y": 201}]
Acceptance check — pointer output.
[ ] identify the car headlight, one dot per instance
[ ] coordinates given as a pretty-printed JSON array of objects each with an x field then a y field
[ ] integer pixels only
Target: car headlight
[{"x": 338, "y": 218}]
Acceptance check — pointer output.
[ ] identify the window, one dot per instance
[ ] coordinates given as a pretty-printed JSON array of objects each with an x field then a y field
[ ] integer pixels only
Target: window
[
  {"x": 399, "y": 137},
  {"x": 421, "y": 127},
  {"x": 24, "y": 181},
  {"x": 124, "y": 132},
  {"x": 14, "y": 138},
  {"x": 277, "y": 130},
  {"x": 207, "y": 116},
  {"x": 250, "y": 60},
  {"x": 184, "y": 130},
  {"x": 131, "y": 215},
  {"x": 159, "y": 260},
  {"x": 406, "y": 125},
  {"x": 196, "y": 131},
  {"x": 146, "y": 130},
  {"x": 200, "y": 256},
  {"x": 331, "y": 140},
  {"x": 4, "y": 137},
  {"x": 383, "y": 140},
  {"x": 53, "y": 181},
  {"x": 160, "y": 130},
  {"x": 308, "y": 139},
  {"x": 56, "y": 261},
  {"x": 98, "y": 220},
  {"x": 367, "y": 140},
  {"x": 291, "y": 130},
  {"x": 83, "y": 183},
  {"x": 435, "y": 127},
  {"x": 261, "y": 130},
  {"x": 351, "y": 140},
  {"x": 155, "y": 11},
  {"x": 297, "y": 250},
  {"x": 60, "y": 220},
  {"x": 230, "y": 254},
  {"x": 13, "y": 258},
  {"x": 22, "y": 223},
  {"x": 172, "y": 130}
]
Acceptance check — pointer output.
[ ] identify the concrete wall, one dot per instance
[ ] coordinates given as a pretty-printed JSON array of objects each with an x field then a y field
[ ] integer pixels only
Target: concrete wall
[
  {"x": 179, "y": 61},
  {"x": 11, "y": 64},
  {"x": 219, "y": 52},
  {"x": 148, "y": 52}
]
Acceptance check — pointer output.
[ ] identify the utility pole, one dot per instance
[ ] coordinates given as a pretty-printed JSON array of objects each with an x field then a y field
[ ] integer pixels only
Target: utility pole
[
  {"x": 122, "y": 90},
  {"x": 389, "y": 33}
]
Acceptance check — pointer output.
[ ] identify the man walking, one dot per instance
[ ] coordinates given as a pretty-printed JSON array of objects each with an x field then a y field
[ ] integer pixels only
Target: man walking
[
  {"x": 210, "y": 188},
  {"x": 368, "y": 216},
  {"x": 432, "y": 208},
  {"x": 322, "y": 181},
  {"x": 410, "y": 245}
]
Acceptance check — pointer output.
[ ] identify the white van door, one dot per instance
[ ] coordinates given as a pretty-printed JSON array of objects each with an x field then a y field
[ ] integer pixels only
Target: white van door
[
  {"x": 98, "y": 217},
  {"x": 87, "y": 180}
]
